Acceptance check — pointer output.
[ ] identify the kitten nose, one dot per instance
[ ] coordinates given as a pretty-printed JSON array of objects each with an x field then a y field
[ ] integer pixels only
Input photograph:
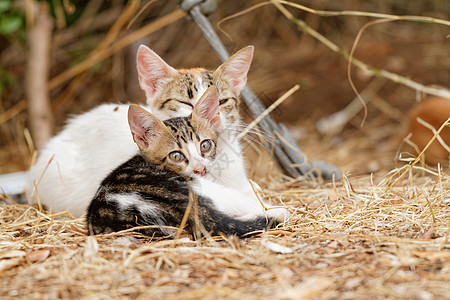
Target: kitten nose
[{"x": 200, "y": 170}]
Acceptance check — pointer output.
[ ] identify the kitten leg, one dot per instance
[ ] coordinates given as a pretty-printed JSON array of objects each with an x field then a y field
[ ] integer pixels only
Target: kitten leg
[
  {"x": 219, "y": 223},
  {"x": 235, "y": 203}
]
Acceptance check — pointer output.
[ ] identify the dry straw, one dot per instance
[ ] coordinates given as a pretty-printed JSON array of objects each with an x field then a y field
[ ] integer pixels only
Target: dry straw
[{"x": 350, "y": 240}]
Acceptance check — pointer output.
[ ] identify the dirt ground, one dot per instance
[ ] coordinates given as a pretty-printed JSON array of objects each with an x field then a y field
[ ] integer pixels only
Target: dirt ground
[{"x": 382, "y": 231}]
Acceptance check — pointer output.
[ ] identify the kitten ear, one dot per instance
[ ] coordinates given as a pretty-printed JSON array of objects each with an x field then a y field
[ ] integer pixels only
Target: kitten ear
[
  {"x": 207, "y": 108},
  {"x": 145, "y": 128},
  {"x": 235, "y": 69},
  {"x": 152, "y": 69}
]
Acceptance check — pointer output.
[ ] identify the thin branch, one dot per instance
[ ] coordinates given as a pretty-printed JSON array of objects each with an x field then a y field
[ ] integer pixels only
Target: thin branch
[
  {"x": 349, "y": 65},
  {"x": 336, "y": 122},
  {"x": 13, "y": 111},
  {"x": 107, "y": 41},
  {"x": 39, "y": 40},
  {"x": 327, "y": 13},
  {"x": 442, "y": 92},
  {"x": 120, "y": 44}
]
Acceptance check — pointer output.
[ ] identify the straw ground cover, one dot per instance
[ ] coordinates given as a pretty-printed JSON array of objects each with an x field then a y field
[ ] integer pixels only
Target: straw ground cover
[{"x": 348, "y": 239}]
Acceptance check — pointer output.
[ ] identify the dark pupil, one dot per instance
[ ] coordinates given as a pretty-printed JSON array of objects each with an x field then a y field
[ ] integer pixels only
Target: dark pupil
[
  {"x": 176, "y": 156},
  {"x": 206, "y": 145}
]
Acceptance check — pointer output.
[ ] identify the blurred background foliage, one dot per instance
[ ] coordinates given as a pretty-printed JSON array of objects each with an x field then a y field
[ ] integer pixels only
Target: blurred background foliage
[{"x": 284, "y": 56}]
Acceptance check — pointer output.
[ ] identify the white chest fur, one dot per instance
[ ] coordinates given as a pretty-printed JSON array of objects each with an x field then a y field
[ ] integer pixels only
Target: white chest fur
[{"x": 83, "y": 155}]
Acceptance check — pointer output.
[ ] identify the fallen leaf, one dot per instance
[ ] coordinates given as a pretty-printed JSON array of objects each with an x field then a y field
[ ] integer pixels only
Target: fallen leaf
[
  {"x": 6, "y": 264},
  {"x": 277, "y": 248},
  {"x": 352, "y": 283},
  {"x": 12, "y": 254},
  {"x": 91, "y": 247},
  {"x": 286, "y": 273},
  {"x": 38, "y": 255},
  {"x": 333, "y": 244},
  {"x": 427, "y": 235}
]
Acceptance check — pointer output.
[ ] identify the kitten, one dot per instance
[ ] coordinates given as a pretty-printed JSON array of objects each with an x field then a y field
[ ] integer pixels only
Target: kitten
[
  {"x": 73, "y": 163},
  {"x": 152, "y": 188}
]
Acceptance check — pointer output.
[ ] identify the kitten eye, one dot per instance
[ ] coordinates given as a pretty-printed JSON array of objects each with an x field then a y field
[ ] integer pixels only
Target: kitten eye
[
  {"x": 176, "y": 156},
  {"x": 206, "y": 146},
  {"x": 223, "y": 101}
]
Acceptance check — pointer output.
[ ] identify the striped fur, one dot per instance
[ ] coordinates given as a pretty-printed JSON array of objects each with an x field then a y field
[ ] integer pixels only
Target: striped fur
[
  {"x": 153, "y": 187},
  {"x": 139, "y": 193}
]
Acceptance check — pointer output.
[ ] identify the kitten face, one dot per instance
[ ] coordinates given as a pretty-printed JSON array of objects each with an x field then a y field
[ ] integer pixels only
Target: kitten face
[
  {"x": 186, "y": 145},
  {"x": 188, "y": 151},
  {"x": 174, "y": 93}
]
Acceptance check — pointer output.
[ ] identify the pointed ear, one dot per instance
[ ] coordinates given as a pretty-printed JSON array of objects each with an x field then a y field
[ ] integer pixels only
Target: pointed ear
[
  {"x": 152, "y": 69},
  {"x": 235, "y": 69},
  {"x": 207, "y": 108},
  {"x": 145, "y": 128}
]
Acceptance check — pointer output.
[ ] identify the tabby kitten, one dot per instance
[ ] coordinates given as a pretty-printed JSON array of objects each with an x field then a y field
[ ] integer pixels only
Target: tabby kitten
[
  {"x": 72, "y": 165},
  {"x": 153, "y": 187}
]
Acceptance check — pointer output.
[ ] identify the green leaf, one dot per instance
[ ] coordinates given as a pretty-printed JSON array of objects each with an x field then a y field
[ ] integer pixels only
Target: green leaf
[
  {"x": 4, "y": 6},
  {"x": 10, "y": 24}
]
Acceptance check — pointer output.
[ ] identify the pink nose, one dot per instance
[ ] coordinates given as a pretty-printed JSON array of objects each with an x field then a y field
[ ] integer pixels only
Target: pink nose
[{"x": 200, "y": 170}]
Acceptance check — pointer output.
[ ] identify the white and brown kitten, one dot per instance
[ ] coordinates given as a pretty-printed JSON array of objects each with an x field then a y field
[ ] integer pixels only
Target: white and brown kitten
[
  {"x": 152, "y": 188},
  {"x": 73, "y": 163}
]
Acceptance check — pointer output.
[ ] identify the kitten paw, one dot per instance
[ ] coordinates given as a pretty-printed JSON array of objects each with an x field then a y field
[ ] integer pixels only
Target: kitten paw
[{"x": 279, "y": 214}]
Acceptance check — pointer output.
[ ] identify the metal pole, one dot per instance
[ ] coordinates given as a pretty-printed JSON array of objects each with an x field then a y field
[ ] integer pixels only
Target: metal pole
[{"x": 289, "y": 157}]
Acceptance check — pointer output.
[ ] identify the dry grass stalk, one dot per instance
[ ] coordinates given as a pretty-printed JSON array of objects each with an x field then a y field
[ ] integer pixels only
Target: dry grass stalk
[
  {"x": 433, "y": 130},
  {"x": 364, "y": 14},
  {"x": 120, "y": 44},
  {"x": 435, "y": 136},
  {"x": 273, "y": 106},
  {"x": 348, "y": 239},
  {"x": 437, "y": 91},
  {"x": 441, "y": 91},
  {"x": 111, "y": 35},
  {"x": 334, "y": 123},
  {"x": 13, "y": 111}
]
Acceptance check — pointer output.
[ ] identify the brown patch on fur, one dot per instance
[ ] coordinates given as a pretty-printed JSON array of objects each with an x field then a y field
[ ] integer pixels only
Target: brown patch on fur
[{"x": 106, "y": 213}]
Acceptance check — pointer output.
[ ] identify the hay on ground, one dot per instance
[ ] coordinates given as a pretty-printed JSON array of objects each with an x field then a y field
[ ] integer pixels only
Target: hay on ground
[{"x": 347, "y": 239}]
